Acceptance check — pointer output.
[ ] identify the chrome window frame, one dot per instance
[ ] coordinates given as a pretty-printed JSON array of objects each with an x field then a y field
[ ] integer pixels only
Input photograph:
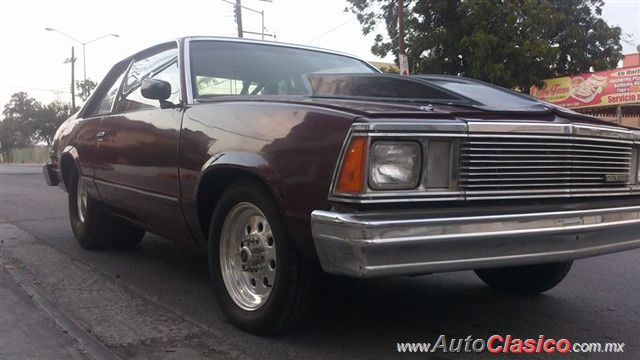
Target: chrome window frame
[
  {"x": 187, "y": 57},
  {"x": 136, "y": 57}
]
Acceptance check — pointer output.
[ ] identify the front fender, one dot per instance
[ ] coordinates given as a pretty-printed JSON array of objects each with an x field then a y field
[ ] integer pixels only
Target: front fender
[
  {"x": 243, "y": 161},
  {"x": 68, "y": 157}
]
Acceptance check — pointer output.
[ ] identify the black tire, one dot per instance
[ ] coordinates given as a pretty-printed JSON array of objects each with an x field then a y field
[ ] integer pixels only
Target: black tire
[
  {"x": 99, "y": 230},
  {"x": 528, "y": 279},
  {"x": 295, "y": 278}
]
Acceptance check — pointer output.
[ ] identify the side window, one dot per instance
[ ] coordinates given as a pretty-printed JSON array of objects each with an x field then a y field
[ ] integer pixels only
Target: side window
[
  {"x": 208, "y": 86},
  {"x": 105, "y": 103},
  {"x": 134, "y": 101},
  {"x": 216, "y": 86},
  {"x": 162, "y": 66},
  {"x": 223, "y": 68}
]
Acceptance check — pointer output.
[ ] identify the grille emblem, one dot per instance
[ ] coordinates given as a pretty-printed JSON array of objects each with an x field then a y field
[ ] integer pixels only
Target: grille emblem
[{"x": 616, "y": 178}]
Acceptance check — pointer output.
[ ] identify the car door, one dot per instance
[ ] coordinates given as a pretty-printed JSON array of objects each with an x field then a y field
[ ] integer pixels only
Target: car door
[
  {"x": 137, "y": 163},
  {"x": 83, "y": 133}
]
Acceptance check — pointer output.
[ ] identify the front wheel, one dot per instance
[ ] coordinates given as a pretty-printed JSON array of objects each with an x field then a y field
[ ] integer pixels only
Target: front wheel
[
  {"x": 261, "y": 283},
  {"x": 528, "y": 279}
]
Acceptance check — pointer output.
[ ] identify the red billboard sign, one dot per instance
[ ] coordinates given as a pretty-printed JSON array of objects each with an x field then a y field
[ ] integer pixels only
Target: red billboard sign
[{"x": 602, "y": 88}]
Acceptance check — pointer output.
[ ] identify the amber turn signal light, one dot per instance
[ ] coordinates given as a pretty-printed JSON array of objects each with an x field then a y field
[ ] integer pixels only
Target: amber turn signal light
[{"x": 352, "y": 171}]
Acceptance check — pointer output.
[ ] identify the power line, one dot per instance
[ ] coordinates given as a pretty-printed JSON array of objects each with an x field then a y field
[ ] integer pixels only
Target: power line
[
  {"x": 34, "y": 88},
  {"x": 331, "y": 30}
]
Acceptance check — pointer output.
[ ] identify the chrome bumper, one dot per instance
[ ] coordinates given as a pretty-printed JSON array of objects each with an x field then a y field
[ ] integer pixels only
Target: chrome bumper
[
  {"x": 401, "y": 243},
  {"x": 50, "y": 175}
]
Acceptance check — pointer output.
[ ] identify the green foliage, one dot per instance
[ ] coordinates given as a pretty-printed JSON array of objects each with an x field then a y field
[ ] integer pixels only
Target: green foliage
[
  {"x": 389, "y": 70},
  {"x": 49, "y": 119},
  {"x": 84, "y": 88},
  {"x": 26, "y": 121},
  {"x": 28, "y": 155},
  {"x": 18, "y": 127},
  {"x": 514, "y": 43}
]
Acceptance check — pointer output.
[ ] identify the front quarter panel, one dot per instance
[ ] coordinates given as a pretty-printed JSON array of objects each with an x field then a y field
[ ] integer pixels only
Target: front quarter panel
[
  {"x": 292, "y": 148},
  {"x": 76, "y": 138}
]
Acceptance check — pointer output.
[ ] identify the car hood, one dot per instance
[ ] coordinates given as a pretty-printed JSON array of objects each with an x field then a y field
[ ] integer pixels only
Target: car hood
[
  {"x": 385, "y": 95},
  {"x": 400, "y": 97}
]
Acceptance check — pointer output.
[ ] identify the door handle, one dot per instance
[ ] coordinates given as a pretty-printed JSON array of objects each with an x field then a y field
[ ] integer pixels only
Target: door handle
[{"x": 101, "y": 135}]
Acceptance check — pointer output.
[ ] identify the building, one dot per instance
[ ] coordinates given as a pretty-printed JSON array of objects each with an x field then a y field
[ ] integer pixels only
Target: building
[{"x": 612, "y": 95}]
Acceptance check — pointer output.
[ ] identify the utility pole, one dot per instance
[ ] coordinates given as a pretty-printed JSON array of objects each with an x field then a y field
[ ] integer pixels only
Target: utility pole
[
  {"x": 239, "y": 17},
  {"x": 262, "y": 28},
  {"x": 238, "y": 13},
  {"x": 84, "y": 62},
  {"x": 73, "y": 79},
  {"x": 402, "y": 55}
]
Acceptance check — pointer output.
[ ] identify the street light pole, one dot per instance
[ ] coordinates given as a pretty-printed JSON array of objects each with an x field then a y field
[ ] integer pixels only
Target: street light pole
[
  {"x": 84, "y": 62},
  {"x": 84, "y": 53},
  {"x": 84, "y": 44},
  {"x": 73, "y": 79}
]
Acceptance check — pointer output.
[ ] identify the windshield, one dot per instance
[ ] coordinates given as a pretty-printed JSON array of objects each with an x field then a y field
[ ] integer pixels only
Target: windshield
[
  {"x": 485, "y": 94},
  {"x": 220, "y": 68}
]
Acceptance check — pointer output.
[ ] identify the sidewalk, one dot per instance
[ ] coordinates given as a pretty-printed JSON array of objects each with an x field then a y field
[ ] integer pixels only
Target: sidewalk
[
  {"x": 27, "y": 331},
  {"x": 20, "y": 169}
]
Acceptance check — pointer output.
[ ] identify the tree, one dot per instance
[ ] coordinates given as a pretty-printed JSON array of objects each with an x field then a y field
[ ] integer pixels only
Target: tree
[
  {"x": 85, "y": 87},
  {"x": 514, "y": 43},
  {"x": 27, "y": 121},
  {"x": 48, "y": 120},
  {"x": 18, "y": 127}
]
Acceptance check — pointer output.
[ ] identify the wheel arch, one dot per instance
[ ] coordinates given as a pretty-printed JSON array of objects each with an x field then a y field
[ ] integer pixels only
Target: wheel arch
[
  {"x": 222, "y": 171},
  {"x": 69, "y": 158}
]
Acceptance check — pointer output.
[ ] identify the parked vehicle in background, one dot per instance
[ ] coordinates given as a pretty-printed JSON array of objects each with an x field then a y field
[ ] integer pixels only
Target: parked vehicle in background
[{"x": 281, "y": 160}]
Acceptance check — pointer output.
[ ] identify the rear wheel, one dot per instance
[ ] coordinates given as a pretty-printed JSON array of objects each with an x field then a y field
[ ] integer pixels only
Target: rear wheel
[
  {"x": 261, "y": 283},
  {"x": 92, "y": 226},
  {"x": 528, "y": 279}
]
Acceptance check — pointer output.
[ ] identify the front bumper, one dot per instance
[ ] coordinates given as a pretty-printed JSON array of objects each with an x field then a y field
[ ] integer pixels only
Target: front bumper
[
  {"x": 402, "y": 243},
  {"x": 50, "y": 175}
]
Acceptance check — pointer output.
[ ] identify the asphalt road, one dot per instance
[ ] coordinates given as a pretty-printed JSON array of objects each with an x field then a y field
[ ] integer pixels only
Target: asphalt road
[{"x": 155, "y": 301}]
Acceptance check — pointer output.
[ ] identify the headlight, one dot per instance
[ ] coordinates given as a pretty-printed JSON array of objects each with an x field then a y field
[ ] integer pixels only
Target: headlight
[
  {"x": 394, "y": 165},
  {"x": 638, "y": 166},
  {"x": 634, "y": 178}
]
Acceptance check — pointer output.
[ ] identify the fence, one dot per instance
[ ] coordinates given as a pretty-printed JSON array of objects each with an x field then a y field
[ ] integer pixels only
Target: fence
[{"x": 30, "y": 155}]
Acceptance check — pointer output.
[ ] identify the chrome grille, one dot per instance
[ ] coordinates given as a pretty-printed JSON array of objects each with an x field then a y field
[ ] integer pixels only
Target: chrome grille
[{"x": 500, "y": 165}]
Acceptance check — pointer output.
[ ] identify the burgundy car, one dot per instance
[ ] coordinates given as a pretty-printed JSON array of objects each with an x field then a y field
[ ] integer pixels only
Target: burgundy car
[{"x": 281, "y": 160}]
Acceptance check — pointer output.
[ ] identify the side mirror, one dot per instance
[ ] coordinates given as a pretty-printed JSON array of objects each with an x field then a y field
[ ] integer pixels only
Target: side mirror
[{"x": 155, "y": 89}]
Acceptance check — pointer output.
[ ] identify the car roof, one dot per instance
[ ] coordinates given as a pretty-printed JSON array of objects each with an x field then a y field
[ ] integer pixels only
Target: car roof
[
  {"x": 265, "y": 42},
  {"x": 240, "y": 40}
]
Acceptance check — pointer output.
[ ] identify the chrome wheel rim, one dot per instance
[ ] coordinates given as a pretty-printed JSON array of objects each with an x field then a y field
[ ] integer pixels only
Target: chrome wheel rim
[
  {"x": 81, "y": 199},
  {"x": 247, "y": 256}
]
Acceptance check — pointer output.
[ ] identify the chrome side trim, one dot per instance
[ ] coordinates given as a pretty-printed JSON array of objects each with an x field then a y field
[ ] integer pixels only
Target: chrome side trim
[
  {"x": 187, "y": 70},
  {"x": 135, "y": 190},
  {"x": 411, "y": 127},
  {"x": 396, "y": 243}
]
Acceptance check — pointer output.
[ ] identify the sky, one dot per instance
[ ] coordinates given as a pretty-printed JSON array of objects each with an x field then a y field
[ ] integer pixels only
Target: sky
[{"x": 32, "y": 59}]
